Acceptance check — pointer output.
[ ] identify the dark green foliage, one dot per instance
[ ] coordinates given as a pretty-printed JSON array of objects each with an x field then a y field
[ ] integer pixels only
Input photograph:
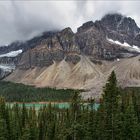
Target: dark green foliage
[
  {"x": 22, "y": 93},
  {"x": 110, "y": 106},
  {"x": 117, "y": 118},
  {"x": 3, "y": 130}
]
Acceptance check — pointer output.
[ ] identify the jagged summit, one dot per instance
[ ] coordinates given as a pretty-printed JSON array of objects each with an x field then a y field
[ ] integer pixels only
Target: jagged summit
[
  {"x": 67, "y": 30},
  {"x": 85, "y": 26},
  {"x": 121, "y": 28},
  {"x": 112, "y": 21},
  {"x": 116, "y": 20}
]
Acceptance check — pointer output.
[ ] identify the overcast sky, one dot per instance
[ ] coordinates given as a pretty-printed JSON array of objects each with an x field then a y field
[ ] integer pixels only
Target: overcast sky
[{"x": 21, "y": 20}]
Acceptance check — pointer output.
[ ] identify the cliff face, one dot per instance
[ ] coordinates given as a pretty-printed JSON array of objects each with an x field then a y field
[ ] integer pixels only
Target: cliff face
[{"x": 91, "y": 39}]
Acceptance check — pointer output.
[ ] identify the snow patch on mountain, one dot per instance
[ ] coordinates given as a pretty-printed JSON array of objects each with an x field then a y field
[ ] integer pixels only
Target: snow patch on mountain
[
  {"x": 11, "y": 54},
  {"x": 126, "y": 45},
  {"x": 7, "y": 68}
]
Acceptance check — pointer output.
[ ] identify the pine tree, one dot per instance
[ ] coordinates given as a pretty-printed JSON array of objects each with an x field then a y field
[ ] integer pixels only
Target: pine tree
[
  {"x": 24, "y": 116},
  {"x": 4, "y": 114},
  {"x": 110, "y": 106},
  {"x": 3, "y": 130},
  {"x": 33, "y": 124},
  {"x": 25, "y": 133},
  {"x": 130, "y": 124}
]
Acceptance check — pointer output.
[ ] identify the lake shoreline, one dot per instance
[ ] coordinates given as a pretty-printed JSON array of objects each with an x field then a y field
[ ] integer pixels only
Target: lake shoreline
[
  {"x": 43, "y": 102},
  {"x": 48, "y": 102}
]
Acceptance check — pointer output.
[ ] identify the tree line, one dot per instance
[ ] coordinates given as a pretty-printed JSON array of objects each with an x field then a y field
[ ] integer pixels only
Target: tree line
[
  {"x": 15, "y": 92},
  {"x": 117, "y": 118}
]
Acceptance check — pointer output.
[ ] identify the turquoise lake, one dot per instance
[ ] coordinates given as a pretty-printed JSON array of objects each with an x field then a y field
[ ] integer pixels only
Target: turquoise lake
[{"x": 59, "y": 105}]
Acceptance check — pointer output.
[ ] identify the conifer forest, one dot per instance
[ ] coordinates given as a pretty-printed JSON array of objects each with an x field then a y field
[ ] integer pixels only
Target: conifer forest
[{"x": 116, "y": 118}]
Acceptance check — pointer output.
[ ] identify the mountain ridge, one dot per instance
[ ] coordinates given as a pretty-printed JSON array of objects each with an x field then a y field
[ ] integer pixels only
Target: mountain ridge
[{"x": 84, "y": 59}]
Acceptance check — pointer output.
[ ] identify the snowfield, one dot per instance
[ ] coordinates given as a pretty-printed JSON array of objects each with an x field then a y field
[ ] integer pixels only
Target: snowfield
[
  {"x": 126, "y": 45},
  {"x": 11, "y": 54}
]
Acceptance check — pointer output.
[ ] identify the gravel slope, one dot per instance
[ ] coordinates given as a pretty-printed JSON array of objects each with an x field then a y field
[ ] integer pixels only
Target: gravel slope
[{"x": 84, "y": 75}]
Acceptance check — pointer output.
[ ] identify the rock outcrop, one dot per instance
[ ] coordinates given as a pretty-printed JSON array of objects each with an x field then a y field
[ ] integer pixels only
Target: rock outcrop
[{"x": 121, "y": 28}]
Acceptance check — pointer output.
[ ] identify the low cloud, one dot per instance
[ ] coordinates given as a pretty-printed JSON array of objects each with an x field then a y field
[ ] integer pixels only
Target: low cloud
[{"x": 21, "y": 20}]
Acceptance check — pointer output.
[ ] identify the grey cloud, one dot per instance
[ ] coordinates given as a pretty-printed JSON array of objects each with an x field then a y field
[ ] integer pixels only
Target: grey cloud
[{"x": 21, "y": 20}]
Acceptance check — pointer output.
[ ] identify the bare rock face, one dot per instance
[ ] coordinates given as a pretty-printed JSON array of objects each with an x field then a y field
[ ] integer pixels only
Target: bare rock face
[
  {"x": 8, "y": 60},
  {"x": 88, "y": 39},
  {"x": 72, "y": 58},
  {"x": 61, "y": 45},
  {"x": 137, "y": 40},
  {"x": 4, "y": 73},
  {"x": 85, "y": 26},
  {"x": 1, "y": 73},
  {"x": 121, "y": 28}
]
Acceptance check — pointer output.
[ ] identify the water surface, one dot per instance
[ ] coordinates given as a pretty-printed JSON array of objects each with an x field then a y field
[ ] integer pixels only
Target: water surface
[{"x": 60, "y": 105}]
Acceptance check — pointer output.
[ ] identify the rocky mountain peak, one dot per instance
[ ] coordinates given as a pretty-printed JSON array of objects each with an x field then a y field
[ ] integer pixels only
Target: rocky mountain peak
[
  {"x": 111, "y": 21},
  {"x": 67, "y": 30},
  {"x": 120, "y": 23},
  {"x": 121, "y": 28},
  {"x": 85, "y": 26},
  {"x": 65, "y": 35}
]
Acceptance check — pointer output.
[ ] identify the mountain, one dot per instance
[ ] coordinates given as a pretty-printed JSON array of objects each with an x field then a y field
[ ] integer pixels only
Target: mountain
[
  {"x": 81, "y": 60},
  {"x": 11, "y": 54}
]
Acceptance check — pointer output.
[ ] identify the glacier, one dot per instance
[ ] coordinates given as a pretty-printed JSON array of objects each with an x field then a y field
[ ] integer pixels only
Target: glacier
[
  {"x": 126, "y": 45},
  {"x": 11, "y": 54},
  {"x": 7, "y": 68}
]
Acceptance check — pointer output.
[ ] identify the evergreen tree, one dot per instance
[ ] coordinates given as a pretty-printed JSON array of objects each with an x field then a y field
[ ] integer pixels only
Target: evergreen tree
[
  {"x": 130, "y": 124},
  {"x": 25, "y": 133},
  {"x": 110, "y": 106},
  {"x": 3, "y": 130}
]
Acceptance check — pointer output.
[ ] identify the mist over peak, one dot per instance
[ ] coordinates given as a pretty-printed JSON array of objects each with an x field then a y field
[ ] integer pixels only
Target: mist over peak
[{"x": 22, "y": 20}]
